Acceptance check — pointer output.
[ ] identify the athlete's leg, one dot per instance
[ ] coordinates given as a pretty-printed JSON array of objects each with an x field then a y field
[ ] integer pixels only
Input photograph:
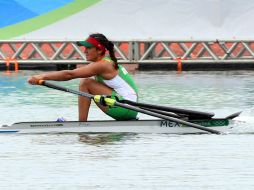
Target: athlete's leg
[{"x": 90, "y": 86}]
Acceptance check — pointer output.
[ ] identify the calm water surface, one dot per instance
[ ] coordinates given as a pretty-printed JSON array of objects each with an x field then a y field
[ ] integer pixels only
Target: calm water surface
[{"x": 142, "y": 161}]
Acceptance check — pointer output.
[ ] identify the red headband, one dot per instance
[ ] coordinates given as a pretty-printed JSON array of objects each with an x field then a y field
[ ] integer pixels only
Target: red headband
[{"x": 96, "y": 43}]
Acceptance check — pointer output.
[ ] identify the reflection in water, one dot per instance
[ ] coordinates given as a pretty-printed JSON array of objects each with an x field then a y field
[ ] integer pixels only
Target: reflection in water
[{"x": 104, "y": 138}]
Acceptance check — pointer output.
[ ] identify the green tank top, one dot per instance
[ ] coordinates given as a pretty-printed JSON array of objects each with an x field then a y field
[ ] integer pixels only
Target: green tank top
[{"x": 122, "y": 72}]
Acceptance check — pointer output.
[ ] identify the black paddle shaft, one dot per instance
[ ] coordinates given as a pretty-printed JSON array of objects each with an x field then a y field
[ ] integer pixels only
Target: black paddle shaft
[
  {"x": 147, "y": 112},
  {"x": 191, "y": 114}
]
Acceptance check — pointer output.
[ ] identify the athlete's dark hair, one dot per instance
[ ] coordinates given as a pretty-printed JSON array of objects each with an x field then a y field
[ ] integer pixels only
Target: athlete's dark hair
[{"x": 108, "y": 45}]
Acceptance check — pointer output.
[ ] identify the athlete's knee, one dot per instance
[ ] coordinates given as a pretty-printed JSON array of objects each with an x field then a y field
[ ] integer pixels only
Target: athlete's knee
[{"x": 85, "y": 83}]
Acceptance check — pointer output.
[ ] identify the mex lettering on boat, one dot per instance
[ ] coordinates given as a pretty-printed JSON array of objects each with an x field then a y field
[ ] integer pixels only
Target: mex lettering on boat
[{"x": 166, "y": 123}]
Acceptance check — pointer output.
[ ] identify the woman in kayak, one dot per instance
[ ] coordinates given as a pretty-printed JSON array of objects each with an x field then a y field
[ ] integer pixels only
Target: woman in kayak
[{"x": 110, "y": 78}]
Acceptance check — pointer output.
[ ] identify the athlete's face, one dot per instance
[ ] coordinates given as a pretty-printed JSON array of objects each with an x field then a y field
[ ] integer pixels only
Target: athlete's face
[{"x": 93, "y": 54}]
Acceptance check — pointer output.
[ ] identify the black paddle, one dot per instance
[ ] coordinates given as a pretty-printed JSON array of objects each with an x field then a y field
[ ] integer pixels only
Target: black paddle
[
  {"x": 191, "y": 114},
  {"x": 112, "y": 102}
]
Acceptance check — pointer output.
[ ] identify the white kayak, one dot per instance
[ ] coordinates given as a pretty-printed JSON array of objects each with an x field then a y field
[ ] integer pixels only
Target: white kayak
[{"x": 109, "y": 126}]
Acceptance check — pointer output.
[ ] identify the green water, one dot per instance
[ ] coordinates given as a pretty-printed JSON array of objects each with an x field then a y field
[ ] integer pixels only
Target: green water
[{"x": 142, "y": 161}]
